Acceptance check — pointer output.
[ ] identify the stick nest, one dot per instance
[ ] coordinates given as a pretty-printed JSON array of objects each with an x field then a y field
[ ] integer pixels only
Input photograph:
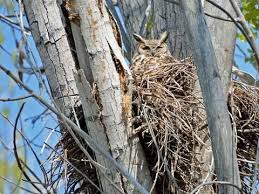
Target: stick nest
[
  {"x": 170, "y": 119},
  {"x": 244, "y": 105}
]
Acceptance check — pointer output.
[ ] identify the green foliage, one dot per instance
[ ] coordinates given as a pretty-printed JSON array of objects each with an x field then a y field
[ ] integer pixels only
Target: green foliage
[
  {"x": 250, "y": 9},
  {"x": 1, "y": 38},
  {"x": 8, "y": 5},
  {"x": 9, "y": 170},
  {"x": 6, "y": 112},
  {"x": 3, "y": 173},
  {"x": 150, "y": 23},
  {"x": 16, "y": 174}
]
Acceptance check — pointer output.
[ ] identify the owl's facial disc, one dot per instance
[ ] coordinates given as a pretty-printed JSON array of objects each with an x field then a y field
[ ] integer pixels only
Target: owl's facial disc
[{"x": 152, "y": 47}]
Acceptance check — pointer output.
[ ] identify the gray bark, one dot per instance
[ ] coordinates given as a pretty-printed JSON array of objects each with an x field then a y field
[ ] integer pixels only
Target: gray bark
[
  {"x": 51, "y": 40},
  {"x": 223, "y": 35},
  {"x": 223, "y": 145}
]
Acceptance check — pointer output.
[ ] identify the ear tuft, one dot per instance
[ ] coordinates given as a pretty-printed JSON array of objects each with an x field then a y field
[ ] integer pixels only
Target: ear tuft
[
  {"x": 163, "y": 37},
  {"x": 138, "y": 38}
]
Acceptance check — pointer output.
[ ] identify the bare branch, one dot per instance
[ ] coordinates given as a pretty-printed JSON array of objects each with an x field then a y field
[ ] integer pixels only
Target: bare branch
[
  {"x": 16, "y": 153},
  {"x": 215, "y": 182},
  {"x": 218, "y": 17},
  {"x": 254, "y": 130},
  {"x": 15, "y": 99},
  {"x": 78, "y": 170},
  {"x": 14, "y": 24},
  {"x": 171, "y": 178},
  {"x": 247, "y": 30},
  {"x": 172, "y": 1},
  {"x": 256, "y": 169},
  {"x": 22, "y": 188}
]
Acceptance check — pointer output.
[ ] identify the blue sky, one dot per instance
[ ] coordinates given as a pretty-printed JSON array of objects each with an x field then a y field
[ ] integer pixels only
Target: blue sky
[{"x": 9, "y": 89}]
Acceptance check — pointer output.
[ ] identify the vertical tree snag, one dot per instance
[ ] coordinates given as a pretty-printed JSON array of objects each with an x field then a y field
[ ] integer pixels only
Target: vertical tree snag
[
  {"x": 103, "y": 79},
  {"x": 106, "y": 93},
  {"x": 108, "y": 68},
  {"x": 213, "y": 96}
]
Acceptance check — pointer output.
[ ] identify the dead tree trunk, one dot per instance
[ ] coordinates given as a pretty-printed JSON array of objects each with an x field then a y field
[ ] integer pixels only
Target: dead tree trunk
[
  {"x": 103, "y": 82},
  {"x": 219, "y": 123}
]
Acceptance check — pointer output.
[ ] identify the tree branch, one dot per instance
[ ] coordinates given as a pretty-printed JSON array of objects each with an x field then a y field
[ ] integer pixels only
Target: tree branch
[
  {"x": 215, "y": 182},
  {"x": 14, "y": 99},
  {"x": 14, "y": 24}
]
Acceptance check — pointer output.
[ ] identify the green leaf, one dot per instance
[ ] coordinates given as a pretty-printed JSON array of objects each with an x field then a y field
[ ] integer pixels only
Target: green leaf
[
  {"x": 150, "y": 22},
  {"x": 14, "y": 56},
  {"x": 3, "y": 172},
  {"x": 241, "y": 37},
  {"x": 1, "y": 38},
  {"x": 250, "y": 9},
  {"x": 16, "y": 172},
  {"x": 6, "y": 112}
]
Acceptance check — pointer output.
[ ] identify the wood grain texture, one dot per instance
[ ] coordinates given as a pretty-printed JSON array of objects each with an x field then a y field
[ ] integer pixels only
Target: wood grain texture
[{"x": 170, "y": 17}]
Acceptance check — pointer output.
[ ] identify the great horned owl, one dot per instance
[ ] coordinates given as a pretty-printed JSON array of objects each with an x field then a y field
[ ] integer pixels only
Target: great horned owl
[
  {"x": 149, "y": 55},
  {"x": 151, "y": 47}
]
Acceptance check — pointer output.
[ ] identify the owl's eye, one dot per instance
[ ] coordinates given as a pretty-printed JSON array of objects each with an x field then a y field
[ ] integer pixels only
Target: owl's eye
[
  {"x": 145, "y": 48},
  {"x": 159, "y": 47}
]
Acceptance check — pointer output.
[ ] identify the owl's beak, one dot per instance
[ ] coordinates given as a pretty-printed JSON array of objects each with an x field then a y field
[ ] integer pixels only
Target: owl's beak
[{"x": 153, "y": 51}]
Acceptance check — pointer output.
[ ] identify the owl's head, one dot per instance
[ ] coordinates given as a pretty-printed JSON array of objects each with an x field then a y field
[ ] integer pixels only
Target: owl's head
[{"x": 152, "y": 47}]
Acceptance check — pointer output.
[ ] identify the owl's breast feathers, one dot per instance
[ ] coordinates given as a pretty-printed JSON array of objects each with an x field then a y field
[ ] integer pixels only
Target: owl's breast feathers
[{"x": 143, "y": 66}]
